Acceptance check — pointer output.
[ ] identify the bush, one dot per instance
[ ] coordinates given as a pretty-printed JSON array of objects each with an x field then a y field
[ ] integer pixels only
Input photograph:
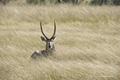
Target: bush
[
  {"x": 98, "y": 2},
  {"x": 35, "y": 1},
  {"x": 105, "y": 2},
  {"x": 116, "y": 2},
  {"x": 49, "y": 1},
  {"x": 29, "y": 1},
  {"x": 93, "y": 2},
  {"x": 42, "y": 1}
]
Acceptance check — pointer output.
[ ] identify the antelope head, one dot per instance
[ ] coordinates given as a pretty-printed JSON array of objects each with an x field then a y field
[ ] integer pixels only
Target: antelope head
[{"x": 49, "y": 41}]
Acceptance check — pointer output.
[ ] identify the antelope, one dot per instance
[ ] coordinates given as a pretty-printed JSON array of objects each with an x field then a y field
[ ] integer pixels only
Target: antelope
[{"x": 50, "y": 48}]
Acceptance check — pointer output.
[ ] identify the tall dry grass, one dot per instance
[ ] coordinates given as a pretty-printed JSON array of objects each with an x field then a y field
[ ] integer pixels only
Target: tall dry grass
[{"x": 87, "y": 42}]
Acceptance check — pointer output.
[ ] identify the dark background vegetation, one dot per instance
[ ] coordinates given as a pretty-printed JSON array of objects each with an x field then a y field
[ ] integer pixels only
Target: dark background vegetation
[{"x": 91, "y": 2}]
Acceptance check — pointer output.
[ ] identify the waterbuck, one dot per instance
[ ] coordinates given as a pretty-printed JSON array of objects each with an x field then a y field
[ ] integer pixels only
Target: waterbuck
[{"x": 50, "y": 48}]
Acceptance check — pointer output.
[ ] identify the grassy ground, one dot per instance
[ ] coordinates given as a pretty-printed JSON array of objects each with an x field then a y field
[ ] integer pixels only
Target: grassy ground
[{"x": 87, "y": 42}]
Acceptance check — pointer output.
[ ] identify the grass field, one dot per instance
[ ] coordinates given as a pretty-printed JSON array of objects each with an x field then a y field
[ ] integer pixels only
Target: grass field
[{"x": 87, "y": 42}]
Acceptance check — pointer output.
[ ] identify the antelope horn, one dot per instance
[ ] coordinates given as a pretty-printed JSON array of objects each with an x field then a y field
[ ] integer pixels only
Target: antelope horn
[
  {"x": 42, "y": 30},
  {"x": 54, "y": 30}
]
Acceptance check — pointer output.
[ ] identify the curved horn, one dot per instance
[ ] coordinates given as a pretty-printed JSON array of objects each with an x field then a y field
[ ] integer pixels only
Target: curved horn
[
  {"x": 54, "y": 30},
  {"x": 42, "y": 30}
]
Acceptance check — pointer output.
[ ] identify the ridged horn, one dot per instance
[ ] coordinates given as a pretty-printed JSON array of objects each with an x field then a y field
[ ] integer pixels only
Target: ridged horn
[
  {"x": 42, "y": 30},
  {"x": 54, "y": 30}
]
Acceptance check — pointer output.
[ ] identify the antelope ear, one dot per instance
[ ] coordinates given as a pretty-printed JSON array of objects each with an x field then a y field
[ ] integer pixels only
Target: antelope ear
[{"x": 43, "y": 39}]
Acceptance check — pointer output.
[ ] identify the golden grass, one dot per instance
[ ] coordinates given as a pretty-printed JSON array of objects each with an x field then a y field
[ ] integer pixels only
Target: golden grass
[{"x": 87, "y": 42}]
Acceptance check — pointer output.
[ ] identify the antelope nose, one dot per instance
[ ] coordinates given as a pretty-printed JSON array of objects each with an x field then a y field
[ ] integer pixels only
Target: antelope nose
[{"x": 49, "y": 45}]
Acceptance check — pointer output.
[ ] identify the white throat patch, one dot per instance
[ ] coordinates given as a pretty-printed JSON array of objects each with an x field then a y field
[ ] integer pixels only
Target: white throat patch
[{"x": 37, "y": 51}]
